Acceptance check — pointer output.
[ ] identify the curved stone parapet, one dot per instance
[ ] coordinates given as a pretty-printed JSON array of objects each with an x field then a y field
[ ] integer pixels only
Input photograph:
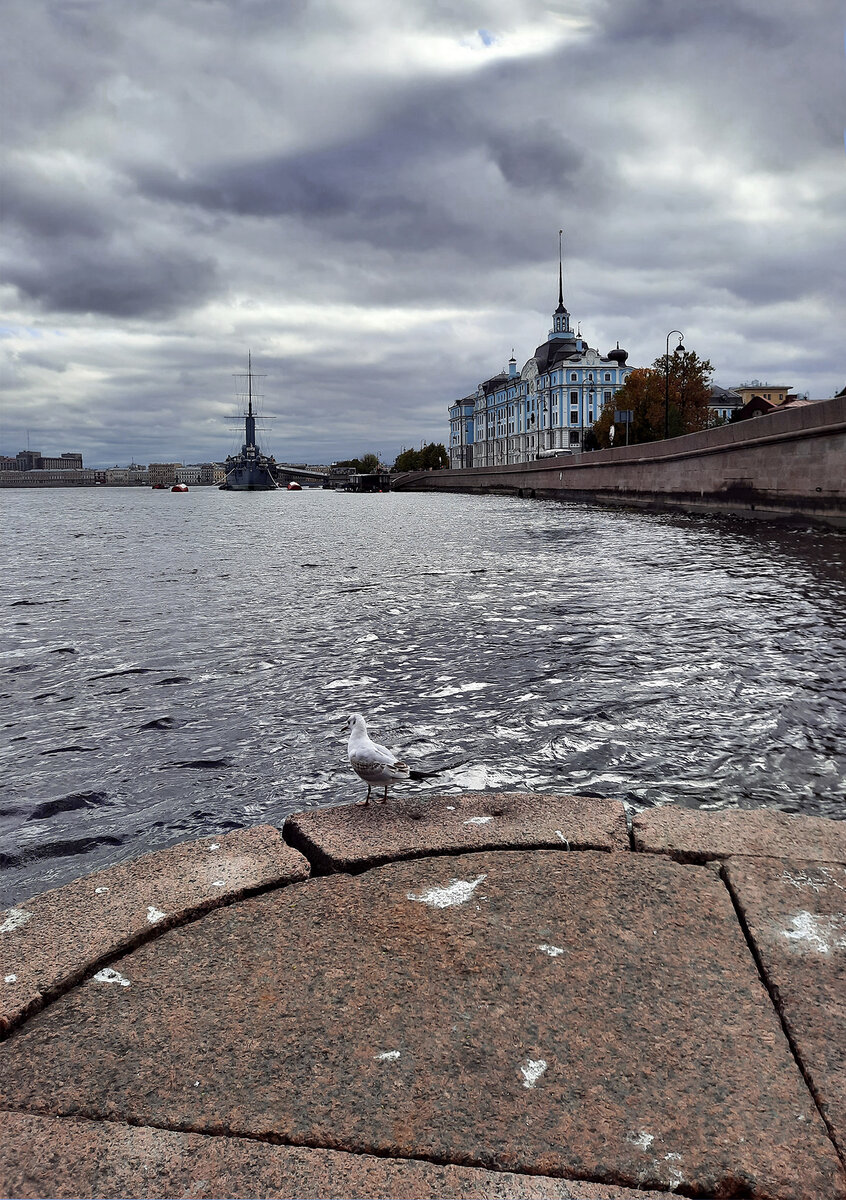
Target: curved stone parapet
[
  {"x": 354, "y": 837},
  {"x": 581, "y": 1015},
  {"x": 51, "y": 941},
  {"x": 690, "y": 835}
]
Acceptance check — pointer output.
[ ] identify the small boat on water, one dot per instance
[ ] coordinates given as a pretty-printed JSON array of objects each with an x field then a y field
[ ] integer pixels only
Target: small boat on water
[
  {"x": 293, "y": 486},
  {"x": 179, "y": 487},
  {"x": 249, "y": 470}
]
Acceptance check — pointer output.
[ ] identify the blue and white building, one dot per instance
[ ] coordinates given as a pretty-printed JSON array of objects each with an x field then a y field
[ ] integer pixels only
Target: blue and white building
[{"x": 548, "y": 406}]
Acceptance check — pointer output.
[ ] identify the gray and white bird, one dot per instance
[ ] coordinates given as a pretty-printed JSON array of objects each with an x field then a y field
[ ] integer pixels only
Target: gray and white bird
[{"x": 376, "y": 765}]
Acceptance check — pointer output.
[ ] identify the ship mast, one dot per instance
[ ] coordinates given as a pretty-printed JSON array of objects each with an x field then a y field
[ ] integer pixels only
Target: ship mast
[{"x": 250, "y": 421}]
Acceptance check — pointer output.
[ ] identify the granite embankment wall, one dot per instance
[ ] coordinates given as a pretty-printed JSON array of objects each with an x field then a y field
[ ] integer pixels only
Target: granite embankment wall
[{"x": 790, "y": 464}]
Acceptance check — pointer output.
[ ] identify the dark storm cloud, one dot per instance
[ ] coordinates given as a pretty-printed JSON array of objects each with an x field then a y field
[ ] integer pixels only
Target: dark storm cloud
[
  {"x": 113, "y": 281},
  {"x": 537, "y": 157},
  {"x": 268, "y": 187},
  {"x": 677, "y": 20},
  {"x": 49, "y": 208}
]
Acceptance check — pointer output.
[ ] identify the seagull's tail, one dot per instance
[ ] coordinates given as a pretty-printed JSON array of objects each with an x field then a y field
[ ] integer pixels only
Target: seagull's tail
[{"x": 425, "y": 772}]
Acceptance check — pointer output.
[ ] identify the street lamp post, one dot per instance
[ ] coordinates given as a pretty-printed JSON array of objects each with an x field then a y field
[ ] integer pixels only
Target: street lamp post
[{"x": 667, "y": 377}]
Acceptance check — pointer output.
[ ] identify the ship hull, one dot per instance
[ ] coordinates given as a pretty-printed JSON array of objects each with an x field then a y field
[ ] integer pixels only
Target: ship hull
[{"x": 249, "y": 479}]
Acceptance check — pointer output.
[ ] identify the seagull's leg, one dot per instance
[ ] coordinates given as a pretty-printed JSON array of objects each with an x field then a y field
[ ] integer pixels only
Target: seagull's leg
[
  {"x": 384, "y": 799},
  {"x": 364, "y": 803}
]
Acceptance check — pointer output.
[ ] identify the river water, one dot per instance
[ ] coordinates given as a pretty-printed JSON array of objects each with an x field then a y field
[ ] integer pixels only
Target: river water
[{"x": 179, "y": 665}]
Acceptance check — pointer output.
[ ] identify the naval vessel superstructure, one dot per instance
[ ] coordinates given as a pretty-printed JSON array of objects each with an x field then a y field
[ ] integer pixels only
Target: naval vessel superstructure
[{"x": 249, "y": 470}]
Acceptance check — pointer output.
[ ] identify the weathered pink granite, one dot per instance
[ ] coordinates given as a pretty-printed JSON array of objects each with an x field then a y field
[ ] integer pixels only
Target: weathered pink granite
[
  {"x": 352, "y": 837},
  {"x": 796, "y": 915},
  {"x": 43, "y": 1156},
  {"x": 587, "y": 1015},
  {"x": 51, "y": 940},
  {"x": 690, "y": 835}
]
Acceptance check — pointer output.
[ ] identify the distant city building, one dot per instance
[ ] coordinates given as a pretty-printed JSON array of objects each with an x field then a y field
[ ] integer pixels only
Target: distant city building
[
  {"x": 775, "y": 394},
  {"x": 758, "y": 406},
  {"x": 724, "y": 402},
  {"x": 197, "y": 473},
  {"x": 547, "y": 406},
  {"x": 133, "y": 475},
  {"x": 34, "y": 460},
  {"x": 164, "y": 473}
]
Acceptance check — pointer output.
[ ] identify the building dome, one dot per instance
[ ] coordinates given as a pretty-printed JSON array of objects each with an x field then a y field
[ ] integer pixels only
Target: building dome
[{"x": 619, "y": 356}]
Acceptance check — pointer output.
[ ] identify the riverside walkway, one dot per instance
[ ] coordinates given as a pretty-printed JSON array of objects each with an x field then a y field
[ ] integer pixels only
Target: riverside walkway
[{"x": 485, "y": 995}]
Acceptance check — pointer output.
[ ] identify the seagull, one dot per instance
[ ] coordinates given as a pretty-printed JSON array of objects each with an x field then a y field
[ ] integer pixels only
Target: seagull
[{"x": 374, "y": 764}]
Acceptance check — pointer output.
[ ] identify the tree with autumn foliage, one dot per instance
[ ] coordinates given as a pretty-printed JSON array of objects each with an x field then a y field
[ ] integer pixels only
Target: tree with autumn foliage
[{"x": 643, "y": 394}]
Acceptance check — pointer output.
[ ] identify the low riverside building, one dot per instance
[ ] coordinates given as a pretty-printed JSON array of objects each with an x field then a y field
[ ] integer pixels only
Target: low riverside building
[
  {"x": 163, "y": 473},
  {"x": 197, "y": 473},
  {"x": 45, "y": 477},
  {"x": 546, "y": 407},
  {"x": 132, "y": 476}
]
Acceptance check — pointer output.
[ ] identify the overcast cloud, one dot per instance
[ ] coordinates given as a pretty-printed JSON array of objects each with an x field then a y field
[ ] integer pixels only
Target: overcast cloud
[{"x": 368, "y": 195}]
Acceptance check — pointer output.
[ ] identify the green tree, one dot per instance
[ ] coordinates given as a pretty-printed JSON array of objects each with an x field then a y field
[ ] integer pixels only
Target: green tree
[
  {"x": 408, "y": 460},
  {"x": 644, "y": 393},
  {"x": 431, "y": 457},
  {"x": 365, "y": 465},
  {"x": 434, "y": 457}
]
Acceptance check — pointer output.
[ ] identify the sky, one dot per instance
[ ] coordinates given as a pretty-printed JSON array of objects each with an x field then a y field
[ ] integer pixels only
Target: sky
[{"x": 366, "y": 195}]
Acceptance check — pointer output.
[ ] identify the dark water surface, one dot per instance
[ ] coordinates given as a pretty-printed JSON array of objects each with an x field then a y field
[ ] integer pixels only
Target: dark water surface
[{"x": 178, "y": 665}]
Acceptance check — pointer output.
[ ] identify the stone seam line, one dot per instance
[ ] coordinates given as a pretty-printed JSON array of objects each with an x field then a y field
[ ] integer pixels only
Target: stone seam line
[
  {"x": 615, "y": 1190},
  {"x": 135, "y": 942},
  {"x": 125, "y": 944},
  {"x": 775, "y": 1000}
]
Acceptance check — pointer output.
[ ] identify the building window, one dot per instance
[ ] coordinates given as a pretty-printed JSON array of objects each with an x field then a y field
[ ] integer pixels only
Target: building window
[
  {"x": 574, "y": 397},
  {"x": 607, "y": 376},
  {"x": 573, "y": 377},
  {"x": 574, "y": 417},
  {"x": 606, "y": 396}
]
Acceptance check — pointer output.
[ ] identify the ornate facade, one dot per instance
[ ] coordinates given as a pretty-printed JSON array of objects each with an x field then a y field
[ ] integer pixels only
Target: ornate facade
[{"x": 546, "y": 407}]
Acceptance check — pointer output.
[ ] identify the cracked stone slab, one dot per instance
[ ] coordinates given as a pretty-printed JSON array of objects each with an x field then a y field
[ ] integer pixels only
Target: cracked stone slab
[
  {"x": 690, "y": 835},
  {"x": 350, "y": 837},
  {"x": 796, "y": 915},
  {"x": 51, "y": 940},
  {"x": 590, "y": 1016},
  {"x": 43, "y": 1156}
]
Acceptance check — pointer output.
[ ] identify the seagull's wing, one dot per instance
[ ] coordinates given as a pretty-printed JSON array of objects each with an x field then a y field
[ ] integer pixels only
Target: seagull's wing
[{"x": 382, "y": 753}]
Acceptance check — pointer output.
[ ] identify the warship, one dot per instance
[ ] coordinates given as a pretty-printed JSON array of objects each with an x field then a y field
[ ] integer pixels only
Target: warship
[{"x": 249, "y": 470}]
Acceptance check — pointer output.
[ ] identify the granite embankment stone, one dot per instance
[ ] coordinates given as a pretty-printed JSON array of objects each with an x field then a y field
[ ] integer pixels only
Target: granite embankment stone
[
  {"x": 52, "y": 940},
  {"x": 796, "y": 915},
  {"x": 586, "y": 1015},
  {"x": 43, "y": 1156},
  {"x": 354, "y": 837},
  {"x": 692, "y": 836}
]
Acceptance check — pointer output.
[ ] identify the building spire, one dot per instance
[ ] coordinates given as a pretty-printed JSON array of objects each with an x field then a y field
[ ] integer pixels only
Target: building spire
[
  {"x": 560, "y": 318},
  {"x": 560, "y": 270}
]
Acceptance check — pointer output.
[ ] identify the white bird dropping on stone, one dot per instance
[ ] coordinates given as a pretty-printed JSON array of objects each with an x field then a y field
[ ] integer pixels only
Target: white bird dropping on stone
[
  {"x": 532, "y": 1070},
  {"x": 376, "y": 765}
]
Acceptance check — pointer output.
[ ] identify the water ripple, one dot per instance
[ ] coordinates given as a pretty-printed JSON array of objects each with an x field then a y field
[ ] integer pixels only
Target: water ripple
[{"x": 183, "y": 671}]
